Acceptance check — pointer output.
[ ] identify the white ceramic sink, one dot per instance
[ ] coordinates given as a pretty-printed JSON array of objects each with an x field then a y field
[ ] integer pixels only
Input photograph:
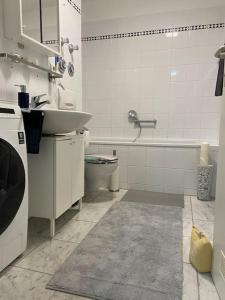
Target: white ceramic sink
[{"x": 63, "y": 121}]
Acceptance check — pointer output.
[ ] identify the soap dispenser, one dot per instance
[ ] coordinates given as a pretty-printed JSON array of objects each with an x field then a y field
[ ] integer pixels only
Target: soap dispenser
[{"x": 23, "y": 96}]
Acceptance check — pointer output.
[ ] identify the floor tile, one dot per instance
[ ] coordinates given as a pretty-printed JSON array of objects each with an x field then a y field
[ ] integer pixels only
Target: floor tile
[
  {"x": 186, "y": 249},
  {"x": 187, "y": 212},
  {"x": 187, "y": 227},
  {"x": 202, "y": 210},
  {"x": 63, "y": 221},
  {"x": 22, "y": 284},
  {"x": 90, "y": 196},
  {"x": 210, "y": 203},
  {"x": 207, "y": 290},
  {"x": 106, "y": 196},
  {"x": 48, "y": 257},
  {"x": 33, "y": 242},
  {"x": 120, "y": 194},
  {"x": 92, "y": 212},
  {"x": 74, "y": 231},
  {"x": 190, "y": 283},
  {"x": 206, "y": 227},
  {"x": 45, "y": 255}
]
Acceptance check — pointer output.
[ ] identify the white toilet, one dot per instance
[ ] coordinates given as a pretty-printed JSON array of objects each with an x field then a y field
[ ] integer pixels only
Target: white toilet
[{"x": 98, "y": 170}]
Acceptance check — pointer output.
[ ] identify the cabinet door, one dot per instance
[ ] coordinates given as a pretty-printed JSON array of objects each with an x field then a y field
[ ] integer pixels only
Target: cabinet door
[
  {"x": 77, "y": 169},
  {"x": 63, "y": 151}
]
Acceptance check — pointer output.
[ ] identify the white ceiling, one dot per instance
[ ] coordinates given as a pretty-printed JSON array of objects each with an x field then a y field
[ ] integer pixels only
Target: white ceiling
[{"x": 94, "y": 10}]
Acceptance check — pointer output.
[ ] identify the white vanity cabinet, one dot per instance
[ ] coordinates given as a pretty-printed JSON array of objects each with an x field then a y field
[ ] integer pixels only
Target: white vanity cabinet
[{"x": 56, "y": 177}]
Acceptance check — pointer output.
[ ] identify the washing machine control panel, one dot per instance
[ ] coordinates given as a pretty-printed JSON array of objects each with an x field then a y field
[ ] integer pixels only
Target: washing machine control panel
[{"x": 9, "y": 111}]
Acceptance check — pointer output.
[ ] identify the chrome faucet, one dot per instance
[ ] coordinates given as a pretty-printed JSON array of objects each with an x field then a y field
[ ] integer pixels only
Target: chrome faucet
[{"x": 35, "y": 101}]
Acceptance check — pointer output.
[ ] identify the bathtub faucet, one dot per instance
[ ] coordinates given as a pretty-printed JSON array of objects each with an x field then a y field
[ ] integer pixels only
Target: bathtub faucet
[{"x": 133, "y": 118}]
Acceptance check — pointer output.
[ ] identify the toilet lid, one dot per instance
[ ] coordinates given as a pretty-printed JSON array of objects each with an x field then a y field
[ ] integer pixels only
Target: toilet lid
[{"x": 100, "y": 159}]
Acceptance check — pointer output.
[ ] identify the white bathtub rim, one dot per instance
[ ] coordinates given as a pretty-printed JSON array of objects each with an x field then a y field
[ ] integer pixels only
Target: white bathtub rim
[{"x": 153, "y": 143}]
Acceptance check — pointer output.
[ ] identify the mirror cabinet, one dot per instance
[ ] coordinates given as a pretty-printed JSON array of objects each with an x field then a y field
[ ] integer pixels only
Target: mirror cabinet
[{"x": 34, "y": 23}]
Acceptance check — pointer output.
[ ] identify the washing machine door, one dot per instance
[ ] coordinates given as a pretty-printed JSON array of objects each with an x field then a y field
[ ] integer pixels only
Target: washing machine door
[{"x": 12, "y": 184}]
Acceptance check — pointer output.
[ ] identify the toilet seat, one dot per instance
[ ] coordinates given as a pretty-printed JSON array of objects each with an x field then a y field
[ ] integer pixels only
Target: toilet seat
[{"x": 100, "y": 159}]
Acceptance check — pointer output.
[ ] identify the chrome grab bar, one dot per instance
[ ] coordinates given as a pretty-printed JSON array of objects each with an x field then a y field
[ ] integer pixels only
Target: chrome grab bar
[{"x": 220, "y": 53}]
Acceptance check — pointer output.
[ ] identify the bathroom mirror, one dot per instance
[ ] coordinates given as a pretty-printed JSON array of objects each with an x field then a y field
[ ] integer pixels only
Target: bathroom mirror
[
  {"x": 31, "y": 24},
  {"x": 34, "y": 23},
  {"x": 50, "y": 24},
  {"x": 41, "y": 21}
]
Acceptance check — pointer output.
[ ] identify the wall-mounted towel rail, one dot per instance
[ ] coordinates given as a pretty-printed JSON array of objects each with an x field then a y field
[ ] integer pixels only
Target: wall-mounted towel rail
[{"x": 16, "y": 58}]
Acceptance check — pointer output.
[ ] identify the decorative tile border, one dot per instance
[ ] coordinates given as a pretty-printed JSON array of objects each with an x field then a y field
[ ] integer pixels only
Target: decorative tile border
[
  {"x": 71, "y": 2},
  {"x": 151, "y": 32},
  {"x": 51, "y": 42}
]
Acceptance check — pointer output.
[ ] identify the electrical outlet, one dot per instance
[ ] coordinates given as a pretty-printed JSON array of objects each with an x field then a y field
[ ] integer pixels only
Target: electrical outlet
[{"x": 222, "y": 265}]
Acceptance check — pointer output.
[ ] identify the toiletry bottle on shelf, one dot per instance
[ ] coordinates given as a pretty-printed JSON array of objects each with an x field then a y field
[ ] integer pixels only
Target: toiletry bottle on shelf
[{"x": 23, "y": 96}]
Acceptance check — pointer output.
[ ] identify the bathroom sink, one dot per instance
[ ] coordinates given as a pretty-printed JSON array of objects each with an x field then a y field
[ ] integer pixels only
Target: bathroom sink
[{"x": 63, "y": 121}]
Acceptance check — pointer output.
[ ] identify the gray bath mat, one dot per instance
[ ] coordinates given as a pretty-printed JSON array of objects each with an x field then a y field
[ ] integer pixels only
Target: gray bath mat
[
  {"x": 133, "y": 253},
  {"x": 154, "y": 198}
]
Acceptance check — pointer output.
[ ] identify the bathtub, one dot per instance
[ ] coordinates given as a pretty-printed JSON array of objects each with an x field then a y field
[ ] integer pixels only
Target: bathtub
[
  {"x": 178, "y": 143},
  {"x": 161, "y": 165}
]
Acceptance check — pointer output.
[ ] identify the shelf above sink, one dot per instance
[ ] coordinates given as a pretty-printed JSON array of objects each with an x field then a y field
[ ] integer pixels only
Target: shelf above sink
[{"x": 16, "y": 58}]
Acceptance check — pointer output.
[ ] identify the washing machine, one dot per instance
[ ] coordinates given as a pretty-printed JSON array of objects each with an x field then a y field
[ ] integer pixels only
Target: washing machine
[{"x": 13, "y": 185}]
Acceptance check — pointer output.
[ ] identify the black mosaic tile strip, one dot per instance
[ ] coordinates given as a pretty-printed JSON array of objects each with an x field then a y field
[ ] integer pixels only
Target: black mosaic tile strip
[
  {"x": 152, "y": 32},
  {"x": 51, "y": 42},
  {"x": 71, "y": 2}
]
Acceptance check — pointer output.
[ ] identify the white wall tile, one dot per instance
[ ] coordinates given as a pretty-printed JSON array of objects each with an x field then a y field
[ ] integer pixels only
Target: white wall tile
[
  {"x": 123, "y": 173},
  {"x": 170, "y": 76},
  {"x": 210, "y": 120},
  {"x": 155, "y": 176},
  {"x": 160, "y": 106},
  {"x": 122, "y": 155},
  {"x": 174, "y": 181},
  {"x": 175, "y": 133},
  {"x": 175, "y": 158},
  {"x": 156, "y": 157},
  {"x": 136, "y": 156},
  {"x": 176, "y": 121},
  {"x": 192, "y": 121},
  {"x": 190, "y": 179},
  {"x": 92, "y": 149},
  {"x": 160, "y": 134},
  {"x": 211, "y": 104},
  {"x": 180, "y": 40},
  {"x": 136, "y": 175}
]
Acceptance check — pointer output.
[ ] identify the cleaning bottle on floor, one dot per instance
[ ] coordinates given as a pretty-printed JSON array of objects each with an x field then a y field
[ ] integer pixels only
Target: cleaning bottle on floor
[{"x": 114, "y": 184}]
